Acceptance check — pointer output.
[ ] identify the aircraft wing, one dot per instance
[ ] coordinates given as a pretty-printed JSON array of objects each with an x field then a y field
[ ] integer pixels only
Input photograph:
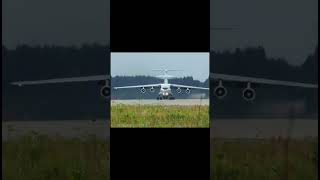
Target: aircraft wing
[
  {"x": 63, "y": 80},
  {"x": 190, "y": 87},
  {"x": 226, "y": 77},
  {"x": 138, "y": 86}
]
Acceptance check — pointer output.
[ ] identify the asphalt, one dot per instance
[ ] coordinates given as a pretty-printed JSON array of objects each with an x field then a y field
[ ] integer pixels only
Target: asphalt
[
  {"x": 182, "y": 102},
  {"x": 64, "y": 128}
]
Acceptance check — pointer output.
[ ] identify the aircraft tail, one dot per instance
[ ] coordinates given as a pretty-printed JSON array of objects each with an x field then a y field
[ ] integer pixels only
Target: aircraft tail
[
  {"x": 166, "y": 70},
  {"x": 166, "y": 76},
  {"x": 165, "y": 73}
]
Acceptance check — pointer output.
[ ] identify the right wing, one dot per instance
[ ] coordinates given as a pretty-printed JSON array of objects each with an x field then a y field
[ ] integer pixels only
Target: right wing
[
  {"x": 191, "y": 87},
  {"x": 63, "y": 80},
  {"x": 244, "y": 79},
  {"x": 138, "y": 86}
]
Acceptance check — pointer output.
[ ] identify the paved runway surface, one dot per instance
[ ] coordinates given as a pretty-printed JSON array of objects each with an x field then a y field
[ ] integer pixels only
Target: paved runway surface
[
  {"x": 183, "y": 102},
  {"x": 65, "y": 128},
  {"x": 263, "y": 128},
  {"x": 229, "y": 128}
]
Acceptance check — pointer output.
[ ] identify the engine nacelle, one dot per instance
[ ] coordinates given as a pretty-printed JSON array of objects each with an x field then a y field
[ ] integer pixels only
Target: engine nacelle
[
  {"x": 179, "y": 90},
  {"x": 105, "y": 91},
  {"x": 220, "y": 91},
  {"x": 188, "y": 91},
  {"x": 143, "y": 90},
  {"x": 152, "y": 89},
  {"x": 248, "y": 93}
]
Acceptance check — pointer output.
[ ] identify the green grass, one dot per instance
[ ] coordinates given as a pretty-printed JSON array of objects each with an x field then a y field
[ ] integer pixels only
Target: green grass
[
  {"x": 38, "y": 157},
  {"x": 159, "y": 116},
  {"x": 263, "y": 160}
]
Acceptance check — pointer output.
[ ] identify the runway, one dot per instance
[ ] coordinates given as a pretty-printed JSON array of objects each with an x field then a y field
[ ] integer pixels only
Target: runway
[
  {"x": 227, "y": 128},
  {"x": 181, "y": 102},
  {"x": 64, "y": 128}
]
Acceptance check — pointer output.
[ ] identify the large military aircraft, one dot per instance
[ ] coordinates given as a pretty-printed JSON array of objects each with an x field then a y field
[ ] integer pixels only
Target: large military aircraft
[
  {"x": 219, "y": 90},
  {"x": 165, "y": 87}
]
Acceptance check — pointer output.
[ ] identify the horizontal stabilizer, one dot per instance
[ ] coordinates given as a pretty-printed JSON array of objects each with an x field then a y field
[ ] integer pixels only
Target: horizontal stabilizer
[{"x": 166, "y": 70}]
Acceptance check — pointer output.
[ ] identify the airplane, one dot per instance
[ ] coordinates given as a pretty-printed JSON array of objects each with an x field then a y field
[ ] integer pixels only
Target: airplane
[
  {"x": 165, "y": 87},
  {"x": 219, "y": 91}
]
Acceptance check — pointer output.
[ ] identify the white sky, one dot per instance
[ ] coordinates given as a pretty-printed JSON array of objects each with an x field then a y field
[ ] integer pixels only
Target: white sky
[{"x": 131, "y": 64}]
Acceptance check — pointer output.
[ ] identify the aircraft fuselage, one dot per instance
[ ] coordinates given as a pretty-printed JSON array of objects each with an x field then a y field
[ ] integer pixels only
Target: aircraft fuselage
[{"x": 165, "y": 91}]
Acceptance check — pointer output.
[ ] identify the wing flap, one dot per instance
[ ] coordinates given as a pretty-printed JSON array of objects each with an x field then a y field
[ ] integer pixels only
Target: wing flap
[{"x": 245, "y": 79}]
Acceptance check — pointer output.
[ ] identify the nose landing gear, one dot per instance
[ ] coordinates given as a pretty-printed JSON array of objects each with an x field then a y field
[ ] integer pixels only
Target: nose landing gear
[
  {"x": 159, "y": 97},
  {"x": 169, "y": 97}
]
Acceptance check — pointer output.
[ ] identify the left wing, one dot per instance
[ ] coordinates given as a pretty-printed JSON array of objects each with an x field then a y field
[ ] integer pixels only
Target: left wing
[
  {"x": 190, "y": 87},
  {"x": 63, "y": 80},
  {"x": 138, "y": 86},
  {"x": 244, "y": 79}
]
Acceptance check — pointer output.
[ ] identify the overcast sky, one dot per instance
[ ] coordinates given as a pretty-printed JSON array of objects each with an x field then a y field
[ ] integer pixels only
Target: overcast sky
[
  {"x": 192, "y": 64},
  {"x": 59, "y": 22},
  {"x": 286, "y": 28}
]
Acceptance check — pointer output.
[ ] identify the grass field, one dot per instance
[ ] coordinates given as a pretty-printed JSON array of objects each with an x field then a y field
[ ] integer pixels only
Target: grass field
[
  {"x": 159, "y": 116},
  {"x": 37, "y": 157},
  {"x": 263, "y": 160}
]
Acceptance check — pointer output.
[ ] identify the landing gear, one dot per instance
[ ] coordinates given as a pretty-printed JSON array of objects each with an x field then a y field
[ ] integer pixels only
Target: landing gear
[{"x": 171, "y": 97}]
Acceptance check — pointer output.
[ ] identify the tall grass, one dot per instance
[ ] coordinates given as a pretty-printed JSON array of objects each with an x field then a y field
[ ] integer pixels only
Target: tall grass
[
  {"x": 263, "y": 159},
  {"x": 38, "y": 157},
  {"x": 159, "y": 116}
]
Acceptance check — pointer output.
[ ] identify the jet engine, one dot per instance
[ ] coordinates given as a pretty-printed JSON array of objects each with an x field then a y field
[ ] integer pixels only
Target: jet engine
[
  {"x": 220, "y": 91},
  {"x": 188, "y": 91},
  {"x": 179, "y": 90},
  {"x": 143, "y": 90},
  {"x": 152, "y": 89},
  {"x": 105, "y": 91},
  {"x": 248, "y": 93}
]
